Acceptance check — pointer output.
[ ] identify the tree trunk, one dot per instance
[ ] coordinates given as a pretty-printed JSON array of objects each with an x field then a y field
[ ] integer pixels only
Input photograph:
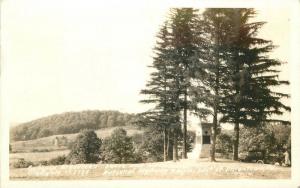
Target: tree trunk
[
  {"x": 216, "y": 104},
  {"x": 168, "y": 143},
  {"x": 215, "y": 117},
  {"x": 175, "y": 151},
  {"x": 214, "y": 136},
  {"x": 184, "y": 149},
  {"x": 236, "y": 141},
  {"x": 165, "y": 144}
]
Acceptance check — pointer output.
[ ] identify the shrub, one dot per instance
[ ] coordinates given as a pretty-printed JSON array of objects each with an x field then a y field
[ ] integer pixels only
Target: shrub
[
  {"x": 191, "y": 137},
  {"x": 43, "y": 163},
  {"x": 60, "y": 160},
  {"x": 152, "y": 146},
  {"x": 224, "y": 145},
  {"x": 40, "y": 150},
  {"x": 22, "y": 163},
  {"x": 85, "y": 149}
]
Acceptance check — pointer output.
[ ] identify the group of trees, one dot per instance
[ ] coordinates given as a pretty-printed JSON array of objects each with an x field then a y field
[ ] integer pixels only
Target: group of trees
[
  {"x": 70, "y": 122},
  {"x": 270, "y": 139},
  {"x": 88, "y": 148},
  {"x": 117, "y": 148},
  {"x": 150, "y": 144},
  {"x": 213, "y": 64}
]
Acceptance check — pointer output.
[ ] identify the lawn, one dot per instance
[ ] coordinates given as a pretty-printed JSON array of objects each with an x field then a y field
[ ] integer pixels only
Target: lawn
[{"x": 184, "y": 169}]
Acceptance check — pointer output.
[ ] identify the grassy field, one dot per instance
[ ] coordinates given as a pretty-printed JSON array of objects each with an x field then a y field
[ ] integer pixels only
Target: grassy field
[
  {"x": 36, "y": 156},
  {"x": 24, "y": 149},
  {"x": 47, "y": 142},
  {"x": 185, "y": 169}
]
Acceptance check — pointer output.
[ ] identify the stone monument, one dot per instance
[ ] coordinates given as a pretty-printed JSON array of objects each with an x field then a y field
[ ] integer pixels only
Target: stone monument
[{"x": 203, "y": 141}]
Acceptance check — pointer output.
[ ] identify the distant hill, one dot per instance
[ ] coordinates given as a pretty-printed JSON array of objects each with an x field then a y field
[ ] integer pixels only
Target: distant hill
[{"x": 70, "y": 122}]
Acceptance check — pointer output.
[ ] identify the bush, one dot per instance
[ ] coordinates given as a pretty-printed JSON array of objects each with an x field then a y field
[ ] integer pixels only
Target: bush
[
  {"x": 43, "y": 163},
  {"x": 151, "y": 148},
  {"x": 21, "y": 163},
  {"x": 86, "y": 148},
  {"x": 40, "y": 150},
  {"x": 60, "y": 160},
  {"x": 224, "y": 145},
  {"x": 118, "y": 148},
  {"x": 191, "y": 137}
]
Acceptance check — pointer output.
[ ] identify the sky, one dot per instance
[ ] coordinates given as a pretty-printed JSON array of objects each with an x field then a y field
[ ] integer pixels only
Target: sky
[{"x": 60, "y": 57}]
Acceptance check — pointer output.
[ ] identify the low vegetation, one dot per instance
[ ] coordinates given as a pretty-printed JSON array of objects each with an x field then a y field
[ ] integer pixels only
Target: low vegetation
[{"x": 22, "y": 163}]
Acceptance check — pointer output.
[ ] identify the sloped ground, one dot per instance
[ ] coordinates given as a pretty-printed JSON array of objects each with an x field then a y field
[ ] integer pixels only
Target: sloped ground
[
  {"x": 184, "y": 169},
  {"x": 25, "y": 149},
  {"x": 47, "y": 142}
]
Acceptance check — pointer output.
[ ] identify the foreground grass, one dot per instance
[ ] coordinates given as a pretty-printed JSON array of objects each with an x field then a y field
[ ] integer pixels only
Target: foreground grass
[{"x": 185, "y": 169}]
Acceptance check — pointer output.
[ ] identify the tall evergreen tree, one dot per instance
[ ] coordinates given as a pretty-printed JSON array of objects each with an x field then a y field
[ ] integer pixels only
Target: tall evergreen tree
[
  {"x": 162, "y": 91},
  {"x": 238, "y": 74},
  {"x": 210, "y": 76},
  {"x": 252, "y": 75},
  {"x": 214, "y": 65},
  {"x": 186, "y": 57},
  {"x": 176, "y": 55}
]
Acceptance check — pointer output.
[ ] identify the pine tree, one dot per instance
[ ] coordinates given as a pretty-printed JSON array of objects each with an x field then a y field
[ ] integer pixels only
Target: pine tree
[
  {"x": 176, "y": 55},
  {"x": 186, "y": 57},
  {"x": 250, "y": 98},
  {"x": 210, "y": 75},
  {"x": 160, "y": 91}
]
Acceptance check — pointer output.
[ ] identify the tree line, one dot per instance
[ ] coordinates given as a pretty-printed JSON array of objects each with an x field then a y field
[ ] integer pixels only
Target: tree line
[
  {"x": 213, "y": 64},
  {"x": 70, "y": 122}
]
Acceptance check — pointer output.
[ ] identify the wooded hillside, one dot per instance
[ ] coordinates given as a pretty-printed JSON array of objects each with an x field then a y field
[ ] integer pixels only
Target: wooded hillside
[{"x": 70, "y": 122}]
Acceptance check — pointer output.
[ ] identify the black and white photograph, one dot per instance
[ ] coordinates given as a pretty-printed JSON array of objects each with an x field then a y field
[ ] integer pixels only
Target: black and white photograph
[{"x": 190, "y": 92}]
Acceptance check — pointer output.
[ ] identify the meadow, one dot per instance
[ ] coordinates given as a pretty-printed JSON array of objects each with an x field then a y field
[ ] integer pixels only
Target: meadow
[
  {"x": 46, "y": 143},
  {"x": 43, "y": 149}
]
